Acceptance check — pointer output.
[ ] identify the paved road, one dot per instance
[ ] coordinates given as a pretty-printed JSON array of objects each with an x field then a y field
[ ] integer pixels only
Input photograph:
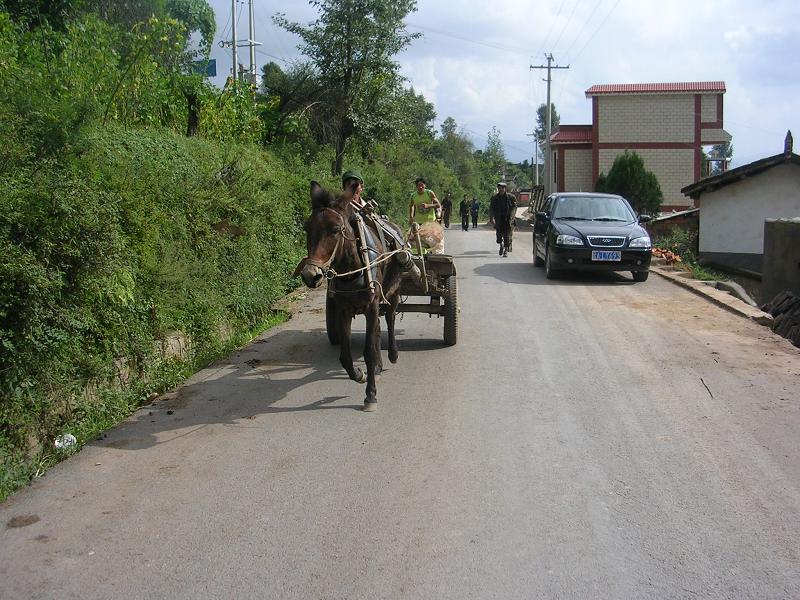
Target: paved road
[{"x": 587, "y": 438}]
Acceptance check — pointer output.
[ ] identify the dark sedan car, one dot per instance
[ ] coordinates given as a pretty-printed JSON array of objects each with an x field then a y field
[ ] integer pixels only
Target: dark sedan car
[{"x": 590, "y": 232}]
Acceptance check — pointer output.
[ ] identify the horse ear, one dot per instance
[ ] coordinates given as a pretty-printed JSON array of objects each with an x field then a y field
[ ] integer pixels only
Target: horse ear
[
  {"x": 319, "y": 197},
  {"x": 343, "y": 200}
]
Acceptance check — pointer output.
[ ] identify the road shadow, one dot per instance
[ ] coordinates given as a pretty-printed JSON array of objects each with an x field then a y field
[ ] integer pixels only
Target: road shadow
[
  {"x": 252, "y": 381},
  {"x": 527, "y": 274}
]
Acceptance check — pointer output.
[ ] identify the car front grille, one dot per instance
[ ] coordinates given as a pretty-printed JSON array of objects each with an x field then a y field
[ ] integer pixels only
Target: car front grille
[{"x": 606, "y": 241}]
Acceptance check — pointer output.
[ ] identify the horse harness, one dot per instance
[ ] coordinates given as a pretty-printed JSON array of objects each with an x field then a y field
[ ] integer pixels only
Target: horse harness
[{"x": 365, "y": 279}]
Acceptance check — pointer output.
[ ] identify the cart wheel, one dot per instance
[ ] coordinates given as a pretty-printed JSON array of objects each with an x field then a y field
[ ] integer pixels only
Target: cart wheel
[
  {"x": 451, "y": 311},
  {"x": 330, "y": 321}
]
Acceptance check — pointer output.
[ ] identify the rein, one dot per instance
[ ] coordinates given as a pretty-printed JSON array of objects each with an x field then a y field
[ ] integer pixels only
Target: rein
[{"x": 331, "y": 274}]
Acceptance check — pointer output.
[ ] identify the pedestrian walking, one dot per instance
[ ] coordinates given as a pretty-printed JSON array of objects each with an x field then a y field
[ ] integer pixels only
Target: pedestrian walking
[
  {"x": 474, "y": 210},
  {"x": 463, "y": 210},
  {"x": 423, "y": 204},
  {"x": 502, "y": 207},
  {"x": 447, "y": 208}
]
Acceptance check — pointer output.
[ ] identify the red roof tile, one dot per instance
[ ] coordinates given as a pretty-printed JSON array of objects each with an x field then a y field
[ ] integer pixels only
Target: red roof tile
[
  {"x": 572, "y": 134},
  {"x": 692, "y": 87}
]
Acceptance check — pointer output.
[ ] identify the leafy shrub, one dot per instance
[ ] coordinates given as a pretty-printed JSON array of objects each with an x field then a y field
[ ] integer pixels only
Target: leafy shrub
[
  {"x": 124, "y": 240},
  {"x": 629, "y": 178}
]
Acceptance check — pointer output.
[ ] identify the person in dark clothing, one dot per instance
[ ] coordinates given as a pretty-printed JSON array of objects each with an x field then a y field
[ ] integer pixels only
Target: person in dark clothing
[
  {"x": 447, "y": 208},
  {"x": 502, "y": 207},
  {"x": 474, "y": 209},
  {"x": 463, "y": 210}
]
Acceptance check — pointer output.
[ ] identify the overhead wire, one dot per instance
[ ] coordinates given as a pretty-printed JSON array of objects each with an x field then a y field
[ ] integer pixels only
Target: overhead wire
[
  {"x": 492, "y": 45},
  {"x": 585, "y": 23},
  {"x": 566, "y": 23},
  {"x": 599, "y": 27},
  {"x": 550, "y": 30}
]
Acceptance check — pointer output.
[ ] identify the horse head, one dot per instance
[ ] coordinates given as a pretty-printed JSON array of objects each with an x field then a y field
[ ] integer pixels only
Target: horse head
[{"x": 329, "y": 235}]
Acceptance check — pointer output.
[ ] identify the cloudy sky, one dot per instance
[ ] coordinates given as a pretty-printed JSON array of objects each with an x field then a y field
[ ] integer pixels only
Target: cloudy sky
[{"x": 473, "y": 61}]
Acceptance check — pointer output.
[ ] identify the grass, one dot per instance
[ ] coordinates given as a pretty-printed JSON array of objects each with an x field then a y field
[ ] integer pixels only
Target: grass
[{"x": 110, "y": 405}]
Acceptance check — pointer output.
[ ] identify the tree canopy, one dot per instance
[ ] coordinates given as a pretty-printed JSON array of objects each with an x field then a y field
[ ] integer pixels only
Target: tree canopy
[
  {"x": 629, "y": 178},
  {"x": 352, "y": 47}
]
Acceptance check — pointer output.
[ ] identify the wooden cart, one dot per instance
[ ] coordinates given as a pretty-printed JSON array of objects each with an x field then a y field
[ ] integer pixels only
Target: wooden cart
[{"x": 439, "y": 285}]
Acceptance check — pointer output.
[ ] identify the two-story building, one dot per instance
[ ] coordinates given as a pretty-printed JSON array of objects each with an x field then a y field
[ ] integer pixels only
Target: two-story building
[{"x": 667, "y": 124}]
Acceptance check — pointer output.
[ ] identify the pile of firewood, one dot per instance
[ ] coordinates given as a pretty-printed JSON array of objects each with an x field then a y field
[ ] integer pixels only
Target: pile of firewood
[
  {"x": 785, "y": 308},
  {"x": 668, "y": 255}
]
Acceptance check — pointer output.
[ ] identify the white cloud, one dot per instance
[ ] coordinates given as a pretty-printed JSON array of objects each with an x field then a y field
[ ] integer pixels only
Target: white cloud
[{"x": 473, "y": 62}]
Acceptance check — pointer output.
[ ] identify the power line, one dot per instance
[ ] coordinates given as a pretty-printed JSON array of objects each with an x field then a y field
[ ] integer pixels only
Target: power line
[
  {"x": 599, "y": 27},
  {"x": 552, "y": 24},
  {"x": 567, "y": 22},
  {"x": 586, "y": 22},
  {"x": 273, "y": 56},
  {"x": 492, "y": 45}
]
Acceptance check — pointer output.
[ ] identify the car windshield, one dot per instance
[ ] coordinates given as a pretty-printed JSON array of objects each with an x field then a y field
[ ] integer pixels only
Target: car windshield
[{"x": 592, "y": 208}]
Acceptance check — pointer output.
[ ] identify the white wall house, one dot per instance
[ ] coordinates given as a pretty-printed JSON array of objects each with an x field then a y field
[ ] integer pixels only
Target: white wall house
[{"x": 735, "y": 204}]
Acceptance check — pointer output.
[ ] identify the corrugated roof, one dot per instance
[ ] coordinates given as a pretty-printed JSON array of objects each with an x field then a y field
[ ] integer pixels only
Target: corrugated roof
[{"x": 691, "y": 87}]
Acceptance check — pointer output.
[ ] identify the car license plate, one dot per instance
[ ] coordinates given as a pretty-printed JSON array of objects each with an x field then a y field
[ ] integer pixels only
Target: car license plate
[{"x": 607, "y": 255}]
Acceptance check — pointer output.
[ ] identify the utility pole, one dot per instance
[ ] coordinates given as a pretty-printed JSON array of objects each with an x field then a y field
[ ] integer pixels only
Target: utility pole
[
  {"x": 549, "y": 159},
  {"x": 252, "y": 43},
  {"x": 235, "y": 69},
  {"x": 238, "y": 71},
  {"x": 535, "y": 158}
]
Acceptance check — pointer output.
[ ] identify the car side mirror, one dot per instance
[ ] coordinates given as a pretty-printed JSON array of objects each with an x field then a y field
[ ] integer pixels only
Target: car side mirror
[
  {"x": 540, "y": 224},
  {"x": 645, "y": 218}
]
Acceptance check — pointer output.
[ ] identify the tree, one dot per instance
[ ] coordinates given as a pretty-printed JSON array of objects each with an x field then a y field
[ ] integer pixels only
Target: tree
[
  {"x": 541, "y": 122},
  {"x": 456, "y": 151},
  {"x": 720, "y": 155},
  {"x": 629, "y": 178},
  {"x": 494, "y": 155},
  {"x": 351, "y": 45}
]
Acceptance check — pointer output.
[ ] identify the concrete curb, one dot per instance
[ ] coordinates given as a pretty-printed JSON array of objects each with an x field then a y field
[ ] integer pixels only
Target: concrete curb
[{"x": 720, "y": 298}]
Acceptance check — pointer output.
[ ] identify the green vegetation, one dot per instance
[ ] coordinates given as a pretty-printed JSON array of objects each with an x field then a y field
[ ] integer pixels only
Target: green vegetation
[
  {"x": 141, "y": 206},
  {"x": 684, "y": 244},
  {"x": 629, "y": 178}
]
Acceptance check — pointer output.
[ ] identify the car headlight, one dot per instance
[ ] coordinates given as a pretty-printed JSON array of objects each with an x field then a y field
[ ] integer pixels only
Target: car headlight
[
  {"x": 640, "y": 242},
  {"x": 568, "y": 240}
]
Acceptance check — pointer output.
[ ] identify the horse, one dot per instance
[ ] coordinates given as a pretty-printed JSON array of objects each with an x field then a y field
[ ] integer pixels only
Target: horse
[{"x": 349, "y": 249}]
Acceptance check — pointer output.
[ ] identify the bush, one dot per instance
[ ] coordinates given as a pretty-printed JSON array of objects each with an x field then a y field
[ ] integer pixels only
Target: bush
[
  {"x": 122, "y": 241},
  {"x": 684, "y": 244},
  {"x": 629, "y": 178}
]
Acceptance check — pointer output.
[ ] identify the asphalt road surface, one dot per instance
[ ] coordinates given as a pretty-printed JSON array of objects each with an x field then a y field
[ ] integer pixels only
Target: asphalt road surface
[{"x": 586, "y": 438}]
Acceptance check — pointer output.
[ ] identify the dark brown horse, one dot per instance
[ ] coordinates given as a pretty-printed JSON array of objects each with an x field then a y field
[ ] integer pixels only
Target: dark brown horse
[{"x": 341, "y": 241}]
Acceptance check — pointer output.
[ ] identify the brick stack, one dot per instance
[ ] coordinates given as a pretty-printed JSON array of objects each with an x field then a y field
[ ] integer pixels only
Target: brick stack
[{"x": 785, "y": 308}]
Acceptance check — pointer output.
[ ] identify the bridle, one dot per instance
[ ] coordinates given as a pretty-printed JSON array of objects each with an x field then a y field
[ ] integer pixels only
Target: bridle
[
  {"x": 341, "y": 236},
  {"x": 330, "y": 274}
]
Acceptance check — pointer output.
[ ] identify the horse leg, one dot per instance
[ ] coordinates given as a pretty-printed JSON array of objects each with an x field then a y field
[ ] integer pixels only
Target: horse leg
[
  {"x": 376, "y": 346},
  {"x": 372, "y": 354},
  {"x": 391, "y": 313},
  {"x": 345, "y": 352}
]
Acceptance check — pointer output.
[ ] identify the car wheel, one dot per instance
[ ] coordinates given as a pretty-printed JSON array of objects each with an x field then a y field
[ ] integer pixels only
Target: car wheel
[
  {"x": 537, "y": 262},
  {"x": 640, "y": 275},
  {"x": 549, "y": 271}
]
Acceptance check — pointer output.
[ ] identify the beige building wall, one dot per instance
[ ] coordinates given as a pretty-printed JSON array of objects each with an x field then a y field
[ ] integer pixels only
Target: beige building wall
[
  {"x": 708, "y": 108},
  {"x": 714, "y": 136},
  {"x": 674, "y": 169},
  {"x": 578, "y": 170},
  {"x": 646, "y": 118}
]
